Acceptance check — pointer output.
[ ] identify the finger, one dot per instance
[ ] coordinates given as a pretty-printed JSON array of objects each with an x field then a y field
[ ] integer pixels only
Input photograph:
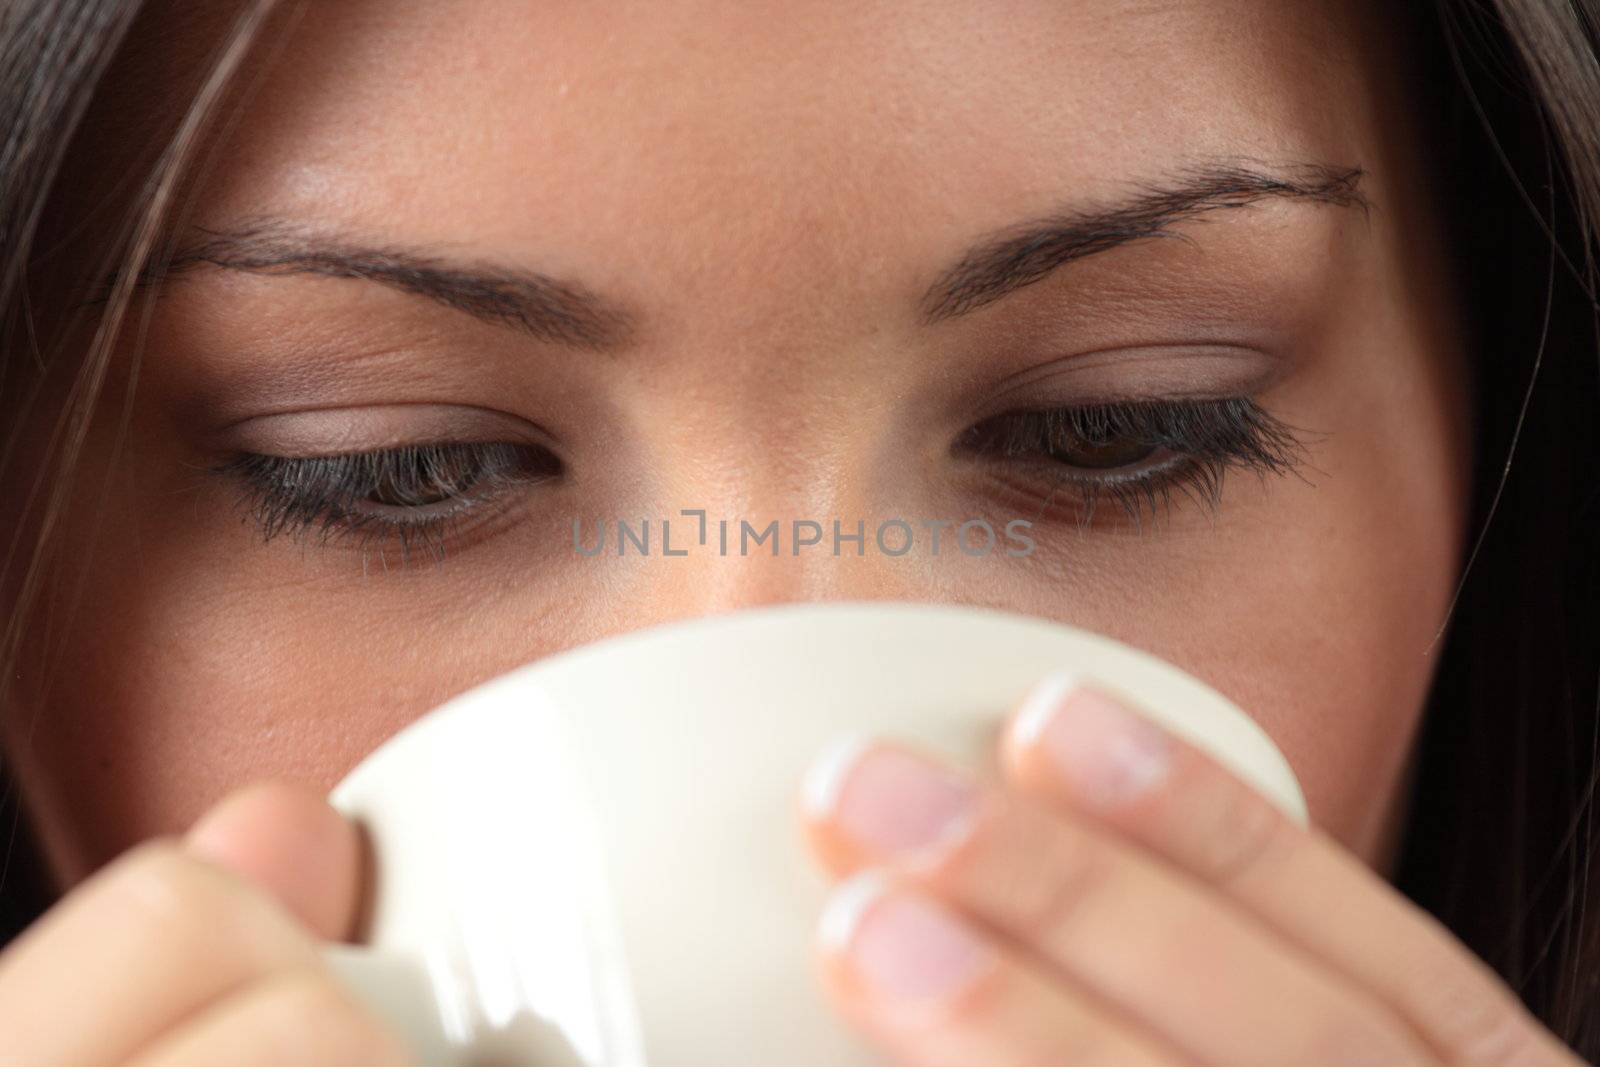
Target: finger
[
  {"x": 936, "y": 991},
  {"x": 1165, "y": 950},
  {"x": 286, "y": 838},
  {"x": 1087, "y": 752},
  {"x": 296, "y": 1018},
  {"x": 146, "y": 940}
]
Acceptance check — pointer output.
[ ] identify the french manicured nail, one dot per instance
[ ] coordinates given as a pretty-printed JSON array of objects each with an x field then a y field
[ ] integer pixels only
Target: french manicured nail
[
  {"x": 888, "y": 800},
  {"x": 904, "y": 946},
  {"x": 1107, "y": 754}
]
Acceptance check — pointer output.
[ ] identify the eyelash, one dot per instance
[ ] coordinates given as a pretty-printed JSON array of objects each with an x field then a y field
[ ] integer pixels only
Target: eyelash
[
  {"x": 1203, "y": 439},
  {"x": 1197, "y": 441},
  {"x": 296, "y": 494}
]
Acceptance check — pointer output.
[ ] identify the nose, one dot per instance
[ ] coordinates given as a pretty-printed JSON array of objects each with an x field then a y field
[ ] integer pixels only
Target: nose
[
  {"x": 706, "y": 560},
  {"x": 773, "y": 497},
  {"x": 734, "y": 527},
  {"x": 781, "y": 558}
]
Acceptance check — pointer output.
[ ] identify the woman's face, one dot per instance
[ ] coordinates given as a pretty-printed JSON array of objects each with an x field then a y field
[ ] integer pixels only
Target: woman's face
[{"x": 772, "y": 263}]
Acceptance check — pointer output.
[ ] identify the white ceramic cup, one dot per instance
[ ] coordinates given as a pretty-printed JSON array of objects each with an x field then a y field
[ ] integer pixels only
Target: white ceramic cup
[{"x": 596, "y": 860}]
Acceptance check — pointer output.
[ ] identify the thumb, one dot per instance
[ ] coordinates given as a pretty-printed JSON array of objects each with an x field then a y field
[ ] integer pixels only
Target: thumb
[{"x": 286, "y": 838}]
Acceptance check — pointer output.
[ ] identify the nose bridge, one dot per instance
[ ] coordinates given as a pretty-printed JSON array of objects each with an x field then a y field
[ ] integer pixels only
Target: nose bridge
[
  {"x": 790, "y": 518},
  {"x": 766, "y": 483},
  {"x": 787, "y": 520},
  {"x": 748, "y": 560}
]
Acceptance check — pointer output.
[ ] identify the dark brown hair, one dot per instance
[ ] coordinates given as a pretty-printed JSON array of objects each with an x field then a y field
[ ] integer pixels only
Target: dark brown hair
[{"x": 1501, "y": 836}]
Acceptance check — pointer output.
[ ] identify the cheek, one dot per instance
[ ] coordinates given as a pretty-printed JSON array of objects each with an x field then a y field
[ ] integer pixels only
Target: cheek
[
  {"x": 1328, "y": 649},
  {"x": 1313, "y": 604},
  {"x": 175, "y": 657},
  {"x": 182, "y": 682},
  {"x": 179, "y": 685},
  {"x": 1330, "y": 634},
  {"x": 1314, "y": 616},
  {"x": 199, "y": 660}
]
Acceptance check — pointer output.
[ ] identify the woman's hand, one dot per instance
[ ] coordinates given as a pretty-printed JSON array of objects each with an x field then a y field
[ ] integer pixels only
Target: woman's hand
[
  {"x": 1123, "y": 900},
  {"x": 200, "y": 952}
]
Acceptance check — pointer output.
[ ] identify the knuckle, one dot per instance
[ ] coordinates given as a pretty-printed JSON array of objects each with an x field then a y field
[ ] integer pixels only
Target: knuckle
[
  {"x": 1091, "y": 1046},
  {"x": 1246, "y": 836},
  {"x": 196, "y": 910},
  {"x": 1084, "y": 1049},
  {"x": 1354, "y": 1038},
  {"x": 988, "y": 1012},
  {"x": 160, "y": 884},
  {"x": 1070, "y": 881},
  {"x": 1509, "y": 1041},
  {"x": 315, "y": 1021},
  {"x": 1474, "y": 1022}
]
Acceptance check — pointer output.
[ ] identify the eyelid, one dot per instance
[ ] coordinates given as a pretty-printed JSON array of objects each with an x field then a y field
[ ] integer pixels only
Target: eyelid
[
  {"x": 371, "y": 428},
  {"x": 299, "y": 495},
  {"x": 1197, "y": 442},
  {"x": 1164, "y": 372}
]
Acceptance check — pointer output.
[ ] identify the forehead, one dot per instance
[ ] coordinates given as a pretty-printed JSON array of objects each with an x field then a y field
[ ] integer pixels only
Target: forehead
[{"x": 689, "y": 139}]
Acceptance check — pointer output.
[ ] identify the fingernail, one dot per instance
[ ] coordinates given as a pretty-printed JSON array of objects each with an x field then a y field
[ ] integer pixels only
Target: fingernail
[
  {"x": 903, "y": 946},
  {"x": 1107, "y": 754},
  {"x": 890, "y": 801}
]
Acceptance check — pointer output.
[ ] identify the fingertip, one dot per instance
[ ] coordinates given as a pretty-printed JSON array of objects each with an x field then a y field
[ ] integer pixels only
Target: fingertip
[
  {"x": 1019, "y": 752},
  {"x": 285, "y": 837}
]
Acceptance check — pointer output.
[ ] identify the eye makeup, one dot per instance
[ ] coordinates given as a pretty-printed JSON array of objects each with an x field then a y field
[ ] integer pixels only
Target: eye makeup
[
  {"x": 1136, "y": 453},
  {"x": 414, "y": 495},
  {"x": 1153, "y": 395}
]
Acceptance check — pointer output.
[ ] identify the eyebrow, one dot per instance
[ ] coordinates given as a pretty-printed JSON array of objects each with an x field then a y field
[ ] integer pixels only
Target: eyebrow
[
  {"x": 1023, "y": 254},
  {"x": 568, "y": 313},
  {"x": 537, "y": 304}
]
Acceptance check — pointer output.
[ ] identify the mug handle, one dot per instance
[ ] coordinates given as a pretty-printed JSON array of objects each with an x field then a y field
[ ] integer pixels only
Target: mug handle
[{"x": 396, "y": 988}]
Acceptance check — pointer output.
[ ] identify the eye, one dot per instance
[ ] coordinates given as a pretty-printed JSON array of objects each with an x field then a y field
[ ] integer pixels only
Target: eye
[
  {"x": 1137, "y": 452},
  {"x": 417, "y": 477},
  {"x": 411, "y": 494},
  {"x": 1077, "y": 438},
  {"x": 1106, "y": 455}
]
